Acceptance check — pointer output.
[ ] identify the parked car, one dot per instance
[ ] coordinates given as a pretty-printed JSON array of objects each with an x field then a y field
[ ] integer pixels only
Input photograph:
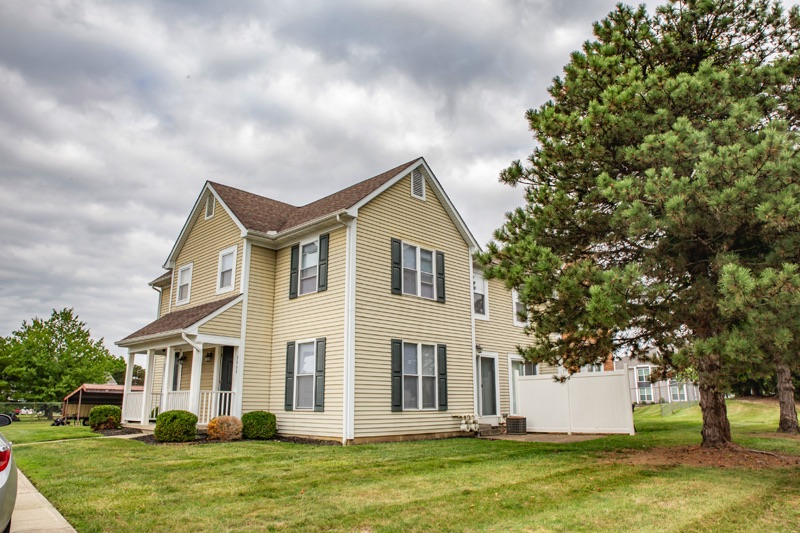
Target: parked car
[{"x": 8, "y": 479}]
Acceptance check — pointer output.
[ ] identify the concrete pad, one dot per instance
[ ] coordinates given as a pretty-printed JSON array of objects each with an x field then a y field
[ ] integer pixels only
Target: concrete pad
[
  {"x": 33, "y": 513},
  {"x": 553, "y": 438}
]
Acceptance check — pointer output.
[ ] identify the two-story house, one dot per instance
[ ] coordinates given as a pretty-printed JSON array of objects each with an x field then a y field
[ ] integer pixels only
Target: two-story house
[{"x": 357, "y": 317}]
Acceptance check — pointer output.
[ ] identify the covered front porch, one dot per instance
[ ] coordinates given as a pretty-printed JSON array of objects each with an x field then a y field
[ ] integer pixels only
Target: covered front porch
[
  {"x": 198, "y": 378},
  {"x": 192, "y": 363}
]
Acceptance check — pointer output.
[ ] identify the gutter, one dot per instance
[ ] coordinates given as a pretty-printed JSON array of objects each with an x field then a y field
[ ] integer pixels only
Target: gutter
[{"x": 275, "y": 238}]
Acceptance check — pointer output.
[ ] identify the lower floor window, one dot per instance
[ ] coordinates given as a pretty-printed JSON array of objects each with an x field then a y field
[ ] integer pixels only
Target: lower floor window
[
  {"x": 419, "y": 376},
  {"x": 678, "y": 392},
  {"x": 646, "y": 394},
  {"x": 304, "y": 376}
]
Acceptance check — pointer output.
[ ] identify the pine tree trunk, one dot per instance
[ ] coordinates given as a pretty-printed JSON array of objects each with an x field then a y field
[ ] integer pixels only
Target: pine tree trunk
[
  {"x": 716, "y": 428},
  {"x": 788, "y": 420}
]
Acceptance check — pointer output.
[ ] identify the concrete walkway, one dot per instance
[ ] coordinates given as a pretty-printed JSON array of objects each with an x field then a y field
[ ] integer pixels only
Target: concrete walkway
[{"x": 33, "y": 513}]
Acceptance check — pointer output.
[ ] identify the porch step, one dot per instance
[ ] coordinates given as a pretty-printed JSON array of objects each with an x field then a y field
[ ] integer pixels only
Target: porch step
[
  {"x": 145, "y": 428},
  {"x": 488, "y": 430}
]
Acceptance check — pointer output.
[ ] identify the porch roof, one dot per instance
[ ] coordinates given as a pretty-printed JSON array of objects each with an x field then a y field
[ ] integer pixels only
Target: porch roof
[{"x": 178, "y": 320}]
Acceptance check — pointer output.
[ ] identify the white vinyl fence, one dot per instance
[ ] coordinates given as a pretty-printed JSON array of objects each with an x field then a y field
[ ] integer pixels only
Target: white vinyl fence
[{"x": 595, "y": 402}]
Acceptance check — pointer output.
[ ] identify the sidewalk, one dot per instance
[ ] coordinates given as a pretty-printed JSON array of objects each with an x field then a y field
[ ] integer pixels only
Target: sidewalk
[{"x": 33, "y": 513}]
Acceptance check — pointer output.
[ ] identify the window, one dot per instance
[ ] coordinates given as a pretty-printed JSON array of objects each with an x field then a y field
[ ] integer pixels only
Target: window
[
  {"x": 418, "y": 278},
  {"x": 418, "y": 184},
  {"x": 227, "y": 271},
  {"x": 678, "y": 392},
  {"x": 309, "y": 267},
  {"x": 184, "y": 284},
  {"x": 305, "y": 375},
  {"x": 519, "y": 309},
  {"x": 643, "y": 382},
  {"x": 304, "y": 386},
  {"x": 209, "y": 206},
  {"x": 419, "y": 376},
  {"x": 592, "y": 368},
  {"x": 479, "y": 294}
]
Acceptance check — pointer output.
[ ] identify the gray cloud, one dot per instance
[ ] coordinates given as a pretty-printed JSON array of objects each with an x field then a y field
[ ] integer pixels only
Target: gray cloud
[{"x": 112, "y": 115}]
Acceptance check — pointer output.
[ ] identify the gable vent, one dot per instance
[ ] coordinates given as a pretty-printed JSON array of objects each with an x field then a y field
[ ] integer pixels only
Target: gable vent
[{"x": 417, "y": 184}]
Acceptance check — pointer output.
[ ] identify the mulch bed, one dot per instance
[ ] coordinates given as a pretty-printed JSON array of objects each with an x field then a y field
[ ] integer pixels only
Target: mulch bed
[
  {"x": 203, "y": 439},
  {"x": 731, "y": 456},
  {"x": 116, "y": 432}
]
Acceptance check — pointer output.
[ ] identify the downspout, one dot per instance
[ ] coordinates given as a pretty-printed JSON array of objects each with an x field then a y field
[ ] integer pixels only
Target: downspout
[
  {"x": 348, "y": 399},
  {"x": 160, "y": 299},
  {"x": 190, "y": 343}
]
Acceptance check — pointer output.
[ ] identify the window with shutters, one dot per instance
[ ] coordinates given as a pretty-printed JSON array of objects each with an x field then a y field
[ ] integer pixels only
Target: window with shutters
[
  {"x": 419, "y": 376},
  {"x": 305, "y": 375},
  {"x": 309, "y": 266},
  {"x": 480, "y": 301},
  {"x": 226, "y": 272},
  {"x": 184, "y": 284},
  {"x": 418, "y": 184},
  {"x": 419, "y": 277}
]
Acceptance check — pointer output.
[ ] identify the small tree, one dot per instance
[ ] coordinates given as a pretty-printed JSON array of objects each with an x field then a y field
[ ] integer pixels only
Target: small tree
[
  {"x": 47, "y": 359},
  {"x": 667, "y": 154}
]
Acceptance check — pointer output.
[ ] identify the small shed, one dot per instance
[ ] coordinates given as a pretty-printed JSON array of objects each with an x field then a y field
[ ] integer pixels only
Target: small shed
[{"x": 79, "y": 402}]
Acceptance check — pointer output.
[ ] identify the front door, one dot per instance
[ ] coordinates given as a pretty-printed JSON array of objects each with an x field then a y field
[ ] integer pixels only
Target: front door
[
  {"x": 488, "y": 386},
  {"x": 226, "y": 380}
]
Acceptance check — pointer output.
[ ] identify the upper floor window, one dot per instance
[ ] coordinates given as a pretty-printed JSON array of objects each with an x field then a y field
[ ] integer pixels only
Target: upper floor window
[
  {"x": 184, "y": 284},
  {"x": 479, "y": 295},
  {"x": 519, "y": 309},
  {"x": 209, "y": 206},
  {"x": 592, "y": 368},
  {"x": 643, "y": 374},
  {"x": 418, "y": 184},
  {"x": 226, "y": 276},
  {"x": 417, "y": 271},
  {"x": 309, "y": 267}
]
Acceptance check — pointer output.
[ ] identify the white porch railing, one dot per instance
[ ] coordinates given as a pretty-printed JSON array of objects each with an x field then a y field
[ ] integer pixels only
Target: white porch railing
[
  {"x": 133, "y": 406},
  {"x": 213, "y": 404},
  {"x": 177, "y": 400},
  {"x": 155, "y": 405}
]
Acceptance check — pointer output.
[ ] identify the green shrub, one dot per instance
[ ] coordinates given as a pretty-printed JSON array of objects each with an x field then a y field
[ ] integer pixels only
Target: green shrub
[
  {"x": 105, "y": 417},
  {"x": 176, "y": 426},
  {"x": 225, "y": 428},
  {"x": 259, "y": 425}
]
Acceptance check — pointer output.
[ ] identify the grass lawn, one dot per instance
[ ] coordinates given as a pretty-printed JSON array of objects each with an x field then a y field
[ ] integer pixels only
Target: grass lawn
[
  {"x": 25, "y": 432},
  {"x": 455, "y": 484}
]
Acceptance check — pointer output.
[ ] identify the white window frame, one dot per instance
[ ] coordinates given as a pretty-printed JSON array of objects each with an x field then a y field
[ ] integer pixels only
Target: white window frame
[
  {"x": 210, "y": 201},
  {"x": 313, "y": 343},
  {"x": 640, "y": 388},
  {"x": 300, "y": 292},
  {"x": 681, "y": 389},
  {"x": 485, "y": 287},
  {"x": 419, "y": 376},
  {"x": 422, "y": 177},
  {"x": 232, "y": 250},
  {"x": 514, "y": 300},
  {"x": 418, "y": 279},
  {"x": 178, "y": 300},
  {"x": 597, "y": 367}
]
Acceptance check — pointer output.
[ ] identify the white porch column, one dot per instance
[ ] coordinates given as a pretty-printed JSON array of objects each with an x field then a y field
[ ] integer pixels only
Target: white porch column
[
  {"x": 148, "y": 386},
  {"x": 194, "y": 387},
  {"x": 128, "y": 379}
]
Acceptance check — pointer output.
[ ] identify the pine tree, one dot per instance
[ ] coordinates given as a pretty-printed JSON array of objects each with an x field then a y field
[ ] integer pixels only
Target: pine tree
[{"x": 667, "y": 153}]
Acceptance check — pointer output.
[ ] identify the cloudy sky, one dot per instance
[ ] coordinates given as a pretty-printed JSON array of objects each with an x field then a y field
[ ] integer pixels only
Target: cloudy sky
[{"x": 113, "y": 115}]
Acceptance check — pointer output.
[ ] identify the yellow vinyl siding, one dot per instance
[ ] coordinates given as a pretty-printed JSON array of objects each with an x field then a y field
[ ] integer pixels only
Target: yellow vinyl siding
[
  {"x": 382, "y": 316},
  {"x": 186, "y": 371},
  {"x": 228, "y": 323},
  {"x": 163, "y": 309},
  {"x": 207, "y": 238},
  {"x": 206, "y": 376},
  {"x": 500, "y": 336},
  {"x": 310, "y": 316},
  {"x": 258, "y": 340},
  {"x": 158, "y": 372}
]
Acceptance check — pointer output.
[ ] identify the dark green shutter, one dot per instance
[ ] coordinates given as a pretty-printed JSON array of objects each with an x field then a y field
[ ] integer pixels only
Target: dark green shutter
[
  {"x": 441, "y": 363},
  {"x": 289, "y": 396},
  {"x": 397, "y": 375},
  {"x": 397, "y": 267},
  {"x": 440, "y": 277},
  {"x": 322, "y": 272},
  {"x": 293, "y": 272},
  {"x": 319, "y": 377}
]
